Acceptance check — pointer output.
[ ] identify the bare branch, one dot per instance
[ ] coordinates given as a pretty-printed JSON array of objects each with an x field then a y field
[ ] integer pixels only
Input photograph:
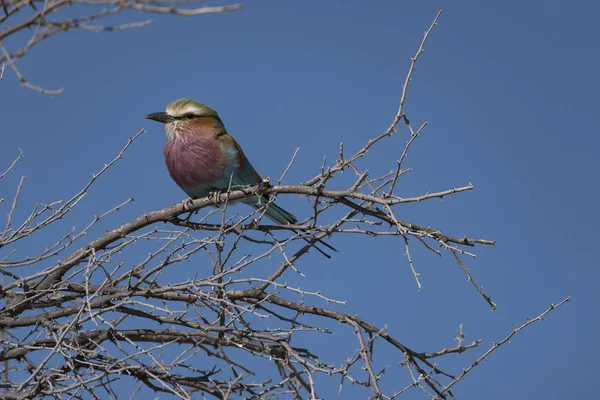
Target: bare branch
[
  {"x": 15, "y": 161},
  {"x": 502, "y": 342},
  {"x": 51, "y": 18},
  {"x": 21, "y": 78},
  {"x": 487, "y": 298},
  {"x": 211, "y": 307}
]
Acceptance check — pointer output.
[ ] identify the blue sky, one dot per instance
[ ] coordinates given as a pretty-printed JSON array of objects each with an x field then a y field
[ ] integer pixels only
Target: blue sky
[{"x": 509, "y": 89}]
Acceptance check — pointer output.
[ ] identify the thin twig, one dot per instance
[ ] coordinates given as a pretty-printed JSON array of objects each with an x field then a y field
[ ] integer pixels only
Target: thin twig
[{"x": 495, "y": 346}]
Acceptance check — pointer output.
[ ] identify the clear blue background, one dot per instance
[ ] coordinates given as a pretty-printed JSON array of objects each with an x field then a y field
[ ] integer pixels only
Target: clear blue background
[{"x": 510, "y": 91}]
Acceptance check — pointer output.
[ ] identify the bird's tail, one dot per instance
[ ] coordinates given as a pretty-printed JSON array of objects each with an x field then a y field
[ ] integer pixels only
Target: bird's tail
[
  {"x": 279, "y": 215},
  {"x": 282, "y": 217},
  {"x": 274, "y": 212}
]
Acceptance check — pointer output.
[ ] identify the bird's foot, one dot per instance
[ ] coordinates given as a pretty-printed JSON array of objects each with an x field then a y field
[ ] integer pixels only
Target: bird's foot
[
  {"x": 215, "y": 195},
  {"x": 187, "y": 204}
]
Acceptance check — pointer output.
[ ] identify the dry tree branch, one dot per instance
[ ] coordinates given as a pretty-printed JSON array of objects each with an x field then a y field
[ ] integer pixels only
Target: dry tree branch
[
  {"x": 16, "y": 160},
  {"x": 54, "y": 16},
  {"x": 487, "y": 298},
  {"x": 343, "y": 163},
  {"x": 24, "y": 82},
  {"x": 33, "y": 223},
  {"x": 495, "y": 346},
  {"x": 210, "y": 307}
]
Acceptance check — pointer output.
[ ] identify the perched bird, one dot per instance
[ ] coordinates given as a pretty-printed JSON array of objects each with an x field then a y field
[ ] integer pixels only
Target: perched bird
[{"x": 202, "y": 157}]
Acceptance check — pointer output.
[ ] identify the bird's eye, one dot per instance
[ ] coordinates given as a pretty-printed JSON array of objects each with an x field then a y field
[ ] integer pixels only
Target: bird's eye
[{"x": 189, "y": 115}]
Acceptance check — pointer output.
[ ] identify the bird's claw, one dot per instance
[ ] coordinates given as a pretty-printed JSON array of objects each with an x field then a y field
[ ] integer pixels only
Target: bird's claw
[
  {"x": 190, "y": 204},
  {"x": 215, "y": 195}
]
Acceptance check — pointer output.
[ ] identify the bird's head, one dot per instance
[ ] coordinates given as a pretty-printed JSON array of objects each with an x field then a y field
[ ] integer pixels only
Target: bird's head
[{"x": 182, "y": 112}]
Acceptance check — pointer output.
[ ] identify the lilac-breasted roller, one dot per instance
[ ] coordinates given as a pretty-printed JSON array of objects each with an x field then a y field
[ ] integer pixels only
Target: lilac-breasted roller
[{"x": 202, "y": 157}]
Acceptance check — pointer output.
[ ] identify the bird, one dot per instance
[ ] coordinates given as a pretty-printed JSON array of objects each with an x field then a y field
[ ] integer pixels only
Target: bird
[{"x": 202, "y": 158}]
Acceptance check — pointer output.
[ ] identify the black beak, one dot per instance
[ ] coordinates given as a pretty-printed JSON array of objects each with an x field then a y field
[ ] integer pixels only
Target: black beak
[{"x": 161, "y": 117}]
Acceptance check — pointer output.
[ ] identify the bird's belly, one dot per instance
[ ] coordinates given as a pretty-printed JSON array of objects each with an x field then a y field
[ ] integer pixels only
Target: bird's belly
[{"x": 198, "y": 168}]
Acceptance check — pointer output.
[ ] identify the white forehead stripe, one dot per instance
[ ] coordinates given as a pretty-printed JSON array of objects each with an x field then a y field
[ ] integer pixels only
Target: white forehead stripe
[{"x": 181, "y": 112}]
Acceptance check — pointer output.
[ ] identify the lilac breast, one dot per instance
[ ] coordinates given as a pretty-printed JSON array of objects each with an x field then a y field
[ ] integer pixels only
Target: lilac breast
[{"x": 194, "y": 162}]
